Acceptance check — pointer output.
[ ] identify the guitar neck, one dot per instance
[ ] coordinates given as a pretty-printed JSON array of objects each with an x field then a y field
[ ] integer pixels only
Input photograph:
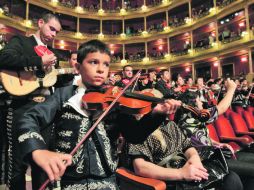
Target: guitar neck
[{"x": 65, "y": 71}]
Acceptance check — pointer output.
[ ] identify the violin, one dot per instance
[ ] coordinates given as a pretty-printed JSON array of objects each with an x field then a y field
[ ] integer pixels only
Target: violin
[{"x": 133, "y": 102}]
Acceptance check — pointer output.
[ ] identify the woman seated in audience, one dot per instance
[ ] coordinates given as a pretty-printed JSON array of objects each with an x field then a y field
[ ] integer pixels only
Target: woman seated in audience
[
  {"x": 195, "y": 129},
  {"x": 149, "y": 159}
]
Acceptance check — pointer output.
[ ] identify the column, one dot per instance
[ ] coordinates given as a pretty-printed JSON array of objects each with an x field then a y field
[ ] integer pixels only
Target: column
[
  {"x": 190, "y": 13},
  {"x": 214, "y": 4},
  {"x": 100, "y": 4},
  {"x": 123, "y": 24},
  {"x": 77, "y": 24},
  {"x": 168, "y": 43},
  {"x": 123, "y": 4},
  {"x": 217, "y": 32},
  {"x": 250, "y": 61},
  {"x": 145, "y": 23},
  {"x": 167, "y": 17},
  {"x": 123, "y": 51},
  {"x": 27, "y": 10},
  {"x": 246, "y": 11},
  {"x": 193, "y": 71},
  {"x": 146, "y": 49},
  {"x": 219, "y": 68},
  {"x": 191, "y": 38},
  {"x": 101, "y": 26}
]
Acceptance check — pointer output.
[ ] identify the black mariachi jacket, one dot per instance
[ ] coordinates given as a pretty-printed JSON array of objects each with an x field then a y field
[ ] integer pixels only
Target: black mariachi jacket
[
  {"x": 96, "y": 157},
  {"x": 162, "y": 87},
  {"x": 19, "y": 55}
]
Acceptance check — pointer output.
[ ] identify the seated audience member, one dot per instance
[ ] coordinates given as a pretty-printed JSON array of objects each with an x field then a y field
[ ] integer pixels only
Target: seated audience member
[
  {"x": 94, "y": 164},
  {"x": 195, "y": 129},
  {"x": 148, "y": 159}
]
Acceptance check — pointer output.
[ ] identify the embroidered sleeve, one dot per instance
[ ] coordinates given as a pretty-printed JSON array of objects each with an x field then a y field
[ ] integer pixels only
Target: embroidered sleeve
[{"x": 30, "y": 135}]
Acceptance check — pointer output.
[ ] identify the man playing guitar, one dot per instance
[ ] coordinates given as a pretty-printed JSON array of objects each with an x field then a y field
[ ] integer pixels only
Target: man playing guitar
[{"x": 22, "y": 54}]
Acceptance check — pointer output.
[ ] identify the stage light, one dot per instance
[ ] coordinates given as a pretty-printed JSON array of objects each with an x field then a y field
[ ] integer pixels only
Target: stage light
[
  {"x": 241, "y": 24},
  {"x": 144, "y": 8},
  {"x": 101, "y": 36},
  {"x": 146, "y": 59},
  {"x": 122, "y": 12},
  {"x": 79, "y": 9},
  {"x": 123, "y": 61},
  {"x": 123, "y": 35},
  {"x": 215, "y": 64},
  {"x": 244, "y": 59},
  {"x": 78, "y": 35},
  {"x": 160, "y": 47},
  {"x": 101, "y": 11}
]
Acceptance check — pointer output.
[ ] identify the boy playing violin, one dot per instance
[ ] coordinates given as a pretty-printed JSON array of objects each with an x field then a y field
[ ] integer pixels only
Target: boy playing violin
[{"x": 94, "y": 164}]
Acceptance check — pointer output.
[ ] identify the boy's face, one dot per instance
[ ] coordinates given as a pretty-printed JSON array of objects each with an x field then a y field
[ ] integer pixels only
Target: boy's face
[{"x": 94, "y": 69}]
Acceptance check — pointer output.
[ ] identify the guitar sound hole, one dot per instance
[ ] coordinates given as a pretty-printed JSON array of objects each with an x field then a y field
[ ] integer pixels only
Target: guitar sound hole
[{"x": 40, "y": 74}]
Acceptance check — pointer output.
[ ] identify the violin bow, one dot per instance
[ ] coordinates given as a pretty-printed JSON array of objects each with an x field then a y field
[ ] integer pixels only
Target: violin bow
[
  {"x": 135, "y": 84},
  {"x": 217, "y": 97},
  {"x": 247, "y": 98},
  {"x": 44, "y": 185}
]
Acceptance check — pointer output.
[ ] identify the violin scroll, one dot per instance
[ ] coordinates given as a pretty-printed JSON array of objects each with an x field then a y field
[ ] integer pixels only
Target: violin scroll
[{"x": 202, "y": 115}]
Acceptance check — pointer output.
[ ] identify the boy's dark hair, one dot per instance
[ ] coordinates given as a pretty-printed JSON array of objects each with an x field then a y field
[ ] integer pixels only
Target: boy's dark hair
[{"x": 91, "y": 46}]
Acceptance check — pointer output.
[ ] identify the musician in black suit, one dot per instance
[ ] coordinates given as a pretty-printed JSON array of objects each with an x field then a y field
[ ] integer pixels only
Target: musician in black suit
[{"x": 20, "y": 55}]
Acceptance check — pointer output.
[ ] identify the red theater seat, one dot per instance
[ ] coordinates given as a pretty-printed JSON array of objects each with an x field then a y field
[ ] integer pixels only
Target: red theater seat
[
  {"x": 239, "y": 124},
  {"x": 226, "y": 114},
  {"x": 213, "y": 135},
  {"x": 239, "y": 109},
  {"x": 250, "y": 109},
  {"x": 249, "y": 120},
  {"x": 129, "y": 181},
  {"x": 226, "y": 132}
]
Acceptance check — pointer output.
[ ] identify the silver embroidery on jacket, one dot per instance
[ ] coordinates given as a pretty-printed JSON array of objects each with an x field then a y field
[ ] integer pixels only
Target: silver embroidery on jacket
[
  {"x": 112, "y": 163},
  {"x": 64, "y": 145},
  {"x": 30, "y": 135},
  {"x": 65, "y": 133},
  {"x": 91, "y": 186}
]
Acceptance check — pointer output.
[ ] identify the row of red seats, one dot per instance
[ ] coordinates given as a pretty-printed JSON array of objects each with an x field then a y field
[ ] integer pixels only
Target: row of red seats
[{"x": 234, "y": 127}]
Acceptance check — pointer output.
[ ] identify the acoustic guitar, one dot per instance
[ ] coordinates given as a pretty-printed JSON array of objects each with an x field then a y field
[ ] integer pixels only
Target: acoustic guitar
[{"x": 24, "y": 82}]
